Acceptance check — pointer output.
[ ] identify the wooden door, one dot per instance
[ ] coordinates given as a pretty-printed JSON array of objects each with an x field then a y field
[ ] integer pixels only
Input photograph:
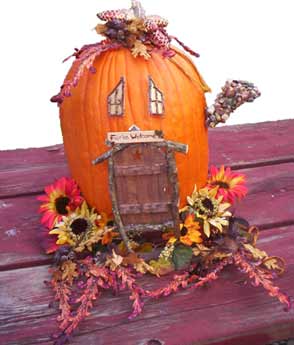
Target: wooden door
[{"x": 143, "y": 185}]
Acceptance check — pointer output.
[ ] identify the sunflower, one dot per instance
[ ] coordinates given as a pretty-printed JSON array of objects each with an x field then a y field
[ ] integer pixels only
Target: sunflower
[
  {"x": 61, "y": 198},
  {"x": 79, "y": 229},
  {"x": 209, "y": 208},
  {"x": 229, "y": 185},
  {"x": 82, "y": 229}
]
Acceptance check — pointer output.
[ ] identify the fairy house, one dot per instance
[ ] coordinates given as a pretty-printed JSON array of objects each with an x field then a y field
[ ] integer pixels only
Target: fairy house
[{"x": 144, "y": 98}]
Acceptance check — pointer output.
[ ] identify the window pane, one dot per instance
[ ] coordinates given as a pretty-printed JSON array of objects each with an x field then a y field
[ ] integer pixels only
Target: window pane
[
  {"x": 116, "y": 100},
  {"x": 156, "y": 104}
]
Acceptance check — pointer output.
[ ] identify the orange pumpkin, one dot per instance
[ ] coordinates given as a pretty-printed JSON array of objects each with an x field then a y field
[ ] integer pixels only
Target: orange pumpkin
[{"x": 85, "y": 118}]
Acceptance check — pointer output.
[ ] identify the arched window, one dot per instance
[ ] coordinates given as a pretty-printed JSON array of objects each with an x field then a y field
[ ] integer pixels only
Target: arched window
[
  {"x": 115, "y": 101},
  {"x": 156, "y": 101}
]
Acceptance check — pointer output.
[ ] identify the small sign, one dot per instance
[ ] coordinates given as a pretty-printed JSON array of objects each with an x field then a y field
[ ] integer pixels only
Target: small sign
[{"x": 134, "y": 137}]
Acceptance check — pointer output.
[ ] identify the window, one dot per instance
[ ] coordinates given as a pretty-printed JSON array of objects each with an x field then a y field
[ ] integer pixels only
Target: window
[
  {"x": 115, "y": 100},
  {"x": 156, "y": 102}
]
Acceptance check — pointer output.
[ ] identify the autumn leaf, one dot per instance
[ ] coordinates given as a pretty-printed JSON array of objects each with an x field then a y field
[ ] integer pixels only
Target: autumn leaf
[
  {"x": 256, "y": 253},
  {"x": 216, "y": 256},
  {"x": 254, "y": 233},
  {"x": 206, "y": 229},
  {"x": 145, "y": 248},
  {"x": 114, "y": 261},
  {"x": 140, "y": 49},
  {"x": 100, "y": 29},
  {"x": 162, "y": 266},
  {"x": 200, "y": 249},
  {"x": 108, "y": 237},
  {"x": 136, "y": 25},
  {"x": 131, "y": 259},
  {"x": 275, "y": 263},
  {"x": 69, "y": 271}
]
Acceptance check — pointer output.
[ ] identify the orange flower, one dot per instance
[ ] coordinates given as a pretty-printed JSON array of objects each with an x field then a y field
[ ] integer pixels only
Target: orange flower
[
  {"x": 108, "y": 237},
  {"x": 190, "y": 233},
  {"x": 229, "y": 185},
  {"x": 61, "y": 198}
]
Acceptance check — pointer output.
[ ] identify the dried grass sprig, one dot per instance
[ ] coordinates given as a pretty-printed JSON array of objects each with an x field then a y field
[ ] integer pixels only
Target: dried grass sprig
[
  {"x": 261, "y": 277},
  {"x": 62, "y": 292},
  {"x": 89, "y": 295},
  {"x": 187, "y": 280}
]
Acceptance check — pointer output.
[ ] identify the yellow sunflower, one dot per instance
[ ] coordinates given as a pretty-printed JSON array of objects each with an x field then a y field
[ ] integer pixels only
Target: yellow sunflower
[
  {"x": 80, "y": 229},
  {"x": 210, "y": 209}
]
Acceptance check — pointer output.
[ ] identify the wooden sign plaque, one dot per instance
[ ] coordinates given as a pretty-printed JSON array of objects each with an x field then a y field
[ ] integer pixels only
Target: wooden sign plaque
[{"x": 134, "y": 137}]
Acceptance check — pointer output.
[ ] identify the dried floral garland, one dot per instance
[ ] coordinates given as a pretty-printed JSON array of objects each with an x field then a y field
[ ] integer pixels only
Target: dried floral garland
[
  {"x": 129, "y": 28},
  {"x": 90, "y": 255}
]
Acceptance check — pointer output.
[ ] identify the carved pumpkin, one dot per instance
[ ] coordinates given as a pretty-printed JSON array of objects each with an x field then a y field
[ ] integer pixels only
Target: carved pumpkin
[{"x": 156, "y": 94}]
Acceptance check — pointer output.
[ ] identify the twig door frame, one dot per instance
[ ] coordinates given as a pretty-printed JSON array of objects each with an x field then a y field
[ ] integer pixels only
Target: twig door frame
[{"x": 170, "y": 147}]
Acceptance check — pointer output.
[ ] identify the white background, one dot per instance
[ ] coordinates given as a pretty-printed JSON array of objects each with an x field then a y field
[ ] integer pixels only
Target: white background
[{"x": 250, "y": 40}]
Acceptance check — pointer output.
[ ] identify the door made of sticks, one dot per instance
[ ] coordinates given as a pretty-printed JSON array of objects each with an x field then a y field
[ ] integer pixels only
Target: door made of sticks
[{"x": 143, "y": 185}]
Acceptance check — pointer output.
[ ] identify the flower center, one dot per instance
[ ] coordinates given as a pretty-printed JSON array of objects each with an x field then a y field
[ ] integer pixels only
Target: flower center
[
  {"x": 60, "y": 205},
  {"x": 184, "y": 231},
  {"x": 208, "y": 204},
  {"x": 78, "y": 226},
  {"x": 221, "y": 184}
]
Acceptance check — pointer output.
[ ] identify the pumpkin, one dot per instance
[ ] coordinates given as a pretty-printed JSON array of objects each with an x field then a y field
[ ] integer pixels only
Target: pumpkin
[{"x": 85, "y": 118}]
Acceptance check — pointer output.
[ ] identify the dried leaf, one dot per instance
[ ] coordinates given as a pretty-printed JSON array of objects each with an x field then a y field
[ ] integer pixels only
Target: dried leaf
[
  {"x": 257, "y": 253},
  {"x": 275, "y": 263},
  {"x": 206, "y": 228},
  {"x": 190, "y": 201},
  {"x": 123, "y": 250},
  {"x": 140, "y": 49},
  {"x": 69, "y": 271},
  {"x": 100, "y": 29},
  {"x": 145, "y": 248},
  {"x": 143, "y": 267},
  {"x": 162, "y": 266},
  {"x": 108, "y": 237},
  {"x": 131, "y": 259},
  {"x": 114, "y": 261},
  {"x": 136, "y": 25},
  {"x": 200, "y": 249},
  {"x": 254, "y": 232}
]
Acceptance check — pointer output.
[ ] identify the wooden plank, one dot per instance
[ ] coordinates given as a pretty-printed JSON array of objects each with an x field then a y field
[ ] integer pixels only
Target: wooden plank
[
  {"x": 271, "y": 195},
  {"x": 135, "y": 170},
  {"x": 155, "y": 207},
  {"x": 226, "y": 313},
  {"x": 20, "y": 233},
  {"x": 28, "y": 171},
  {"x": 252, "y": 144},
  {"x": 270, "y": 202},
  {"x": 30, "y": 180},
  {"x": 23, "y": 158}
]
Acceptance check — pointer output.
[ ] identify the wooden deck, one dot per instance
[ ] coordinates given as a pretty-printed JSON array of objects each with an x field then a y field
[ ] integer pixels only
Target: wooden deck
[{"x": 226, "y": 313}]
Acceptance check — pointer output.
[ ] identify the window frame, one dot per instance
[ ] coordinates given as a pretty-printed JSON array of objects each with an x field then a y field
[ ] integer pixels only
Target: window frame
[
  {"x": 156, "y": 101},
  {"x": 118, "y": 103}
]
